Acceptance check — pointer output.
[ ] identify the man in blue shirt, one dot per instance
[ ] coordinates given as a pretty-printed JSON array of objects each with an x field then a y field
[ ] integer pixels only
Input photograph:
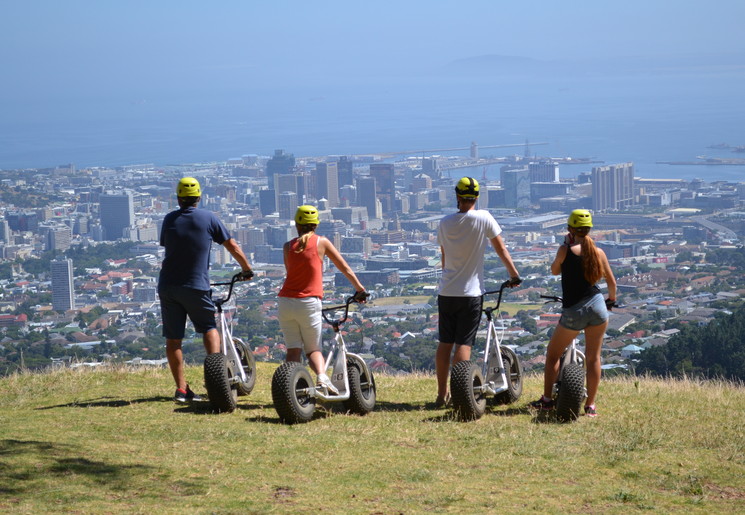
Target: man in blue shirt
[{"x": 184, "y": 286}]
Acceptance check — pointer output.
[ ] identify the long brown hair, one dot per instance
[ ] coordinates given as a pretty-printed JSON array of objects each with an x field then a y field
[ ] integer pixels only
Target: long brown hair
[
  {"x": 591, "y": 260},
  {"x": 304, "y": 234}
]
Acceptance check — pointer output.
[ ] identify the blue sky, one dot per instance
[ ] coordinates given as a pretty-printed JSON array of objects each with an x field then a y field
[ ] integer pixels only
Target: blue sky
[{"x": 54, "y": 45}]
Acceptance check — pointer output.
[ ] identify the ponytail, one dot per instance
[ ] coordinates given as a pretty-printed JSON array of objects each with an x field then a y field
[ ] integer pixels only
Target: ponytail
[
  {"x": 304, "y": 232},
  {"x": 591, "y": 261}
]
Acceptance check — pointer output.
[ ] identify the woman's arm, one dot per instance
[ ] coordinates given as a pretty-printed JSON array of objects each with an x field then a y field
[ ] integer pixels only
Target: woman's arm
[
  {"x": 561, "y": 255},
  {"x": 327, "y": 248},
  {"x": 610, "y": 279}
]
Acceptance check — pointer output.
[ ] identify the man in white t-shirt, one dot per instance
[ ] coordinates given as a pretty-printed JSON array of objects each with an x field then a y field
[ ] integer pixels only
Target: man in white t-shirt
[{"x": 463, "y": 239}]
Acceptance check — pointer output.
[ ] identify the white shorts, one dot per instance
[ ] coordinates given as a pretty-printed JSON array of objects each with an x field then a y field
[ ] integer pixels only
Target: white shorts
[{"x": 301, "y": 323}]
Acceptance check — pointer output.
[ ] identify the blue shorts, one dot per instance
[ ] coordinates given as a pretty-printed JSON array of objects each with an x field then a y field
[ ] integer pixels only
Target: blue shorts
[
  {"x": 176, "y": 302},
  {"x": 459, "y": 319},
  {"x": 588, "y": 311}
]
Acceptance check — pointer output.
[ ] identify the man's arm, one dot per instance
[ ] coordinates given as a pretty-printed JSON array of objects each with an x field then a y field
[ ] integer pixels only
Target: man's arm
[
  {"x": 498, "y": 243},
  {"x": 236, "y": 251}
]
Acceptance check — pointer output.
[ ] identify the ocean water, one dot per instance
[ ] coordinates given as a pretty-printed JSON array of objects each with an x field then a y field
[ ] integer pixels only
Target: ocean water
[{"x": 644, "y": 118}]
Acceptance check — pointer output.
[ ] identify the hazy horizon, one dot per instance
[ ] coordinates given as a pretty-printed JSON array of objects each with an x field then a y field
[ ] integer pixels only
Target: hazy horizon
[{"x": 114, "y": 82}]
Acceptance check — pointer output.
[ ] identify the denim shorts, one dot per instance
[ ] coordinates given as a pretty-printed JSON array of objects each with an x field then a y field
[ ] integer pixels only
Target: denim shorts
[
  {"x": 178, "y": 302},
  {"x": 588, "y": 311},
  {"x": 301, "y": 323}
]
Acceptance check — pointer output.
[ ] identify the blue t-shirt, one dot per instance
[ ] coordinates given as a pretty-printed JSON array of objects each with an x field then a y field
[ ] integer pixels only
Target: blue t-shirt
[{"x": 187, "y": 234}]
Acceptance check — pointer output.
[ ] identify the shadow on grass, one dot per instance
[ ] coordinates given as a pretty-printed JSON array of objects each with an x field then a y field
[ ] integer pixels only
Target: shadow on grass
[
  {"x": 26, "y": 461},
  {"x": 107, "y": 402}
]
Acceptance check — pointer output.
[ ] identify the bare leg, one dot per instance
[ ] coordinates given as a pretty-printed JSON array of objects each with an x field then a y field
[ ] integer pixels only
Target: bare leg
[
  {"x": 294, "y": 355},
  {"x": 176, "y": 362},
  {"x": 462, "y": 353},
  {"x": 560, "y": 340},
  {"x": 316, "y": 362},
  {"x": 442, "y": 368},
  {"x": 211, "y": 340},
  {"x": 593, "y": 345}
]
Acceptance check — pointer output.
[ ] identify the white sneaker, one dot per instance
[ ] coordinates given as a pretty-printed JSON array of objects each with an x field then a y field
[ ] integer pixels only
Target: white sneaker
[{"x": 325, "y": 382}]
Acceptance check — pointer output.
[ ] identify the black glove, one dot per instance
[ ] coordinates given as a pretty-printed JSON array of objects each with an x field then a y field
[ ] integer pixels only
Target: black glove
[
  {"x": 245, "y": 275},
  {"x": 514, "y": 281},
  {"x": 360, "y": 296},
  {"x": 610, "y": 304}
]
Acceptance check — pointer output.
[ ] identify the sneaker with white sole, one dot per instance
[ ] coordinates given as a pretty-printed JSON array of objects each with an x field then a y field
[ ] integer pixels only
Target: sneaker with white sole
[
  {"x": 325, "y": 383},
  {"x": 187, "y": 395}
]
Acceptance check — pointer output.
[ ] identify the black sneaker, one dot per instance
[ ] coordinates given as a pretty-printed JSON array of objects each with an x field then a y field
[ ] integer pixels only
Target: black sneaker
[
  {"x": 186, "y": 395},
  {"x": 543, "y": 404},
  {"x": 590, "y": 411},
  {"x": 443, "y": 402}
]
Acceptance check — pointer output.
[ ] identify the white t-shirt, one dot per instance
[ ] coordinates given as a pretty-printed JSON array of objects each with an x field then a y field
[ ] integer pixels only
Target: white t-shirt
[{"x": 463, "y": 238}]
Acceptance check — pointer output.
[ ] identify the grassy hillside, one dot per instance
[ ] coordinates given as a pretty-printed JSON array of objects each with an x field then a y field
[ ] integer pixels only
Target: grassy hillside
[{"x": 113, "y": 441}]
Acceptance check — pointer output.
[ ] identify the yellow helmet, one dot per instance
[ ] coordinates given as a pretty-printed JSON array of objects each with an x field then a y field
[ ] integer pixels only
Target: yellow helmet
[
  {"x": 580, "y": 218},
  {"x": 188, "y": 187},
  {"x": 467, "y": 187},
  {"x": 306, "y": 215}
]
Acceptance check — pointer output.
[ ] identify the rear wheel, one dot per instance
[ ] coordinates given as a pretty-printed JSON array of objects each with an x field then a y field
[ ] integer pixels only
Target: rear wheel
[
  {"x": 468, "y": 404},
  {"x": 248, "y": 362},
  {"x": 514, "y": 373},
  {"x": 217, "y": 373},
  {"x": 361, "y": 388},
  {"x": 571, "y": 392},
  {"x": 290, "y": 385}
]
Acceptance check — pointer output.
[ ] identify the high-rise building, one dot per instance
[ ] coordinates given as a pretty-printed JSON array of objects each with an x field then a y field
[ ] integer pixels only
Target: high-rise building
[
  {"x": 327, "y": 183},
  {"x": 385, "y": 180},
  {"x": 63, "y": 294},
  {"x": 117, "y": 214},
  {"x": 367, "y": 197},
  {"x": 59, "y": 237},
  {"x": 612, "y": 187},
  {"x": 5, "y": 233},
  {"x": 279, "y": 164},
  {"x": 345, "y": 167},
  {"x": 544, "y": 172},
  {"x": 267, "y": 202},
  {"x": 431, "y": 167},
  {"x": 287, "y": 205},
  {"x": 516, "y": 186}
]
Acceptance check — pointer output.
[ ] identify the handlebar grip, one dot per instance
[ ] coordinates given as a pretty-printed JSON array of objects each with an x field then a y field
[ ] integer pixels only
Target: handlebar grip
[{"x": 360, "y": 296}]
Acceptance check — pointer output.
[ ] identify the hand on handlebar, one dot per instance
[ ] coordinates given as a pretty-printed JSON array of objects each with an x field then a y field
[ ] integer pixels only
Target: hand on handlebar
[
  {"x": 610, "y": 304},
  {"x": 245, "y": 275},
  {"x": 360, "y": 296},
  {"x": 513, "y": 281}
]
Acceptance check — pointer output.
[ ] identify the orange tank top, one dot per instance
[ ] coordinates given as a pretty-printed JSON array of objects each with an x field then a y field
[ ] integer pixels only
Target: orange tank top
[{"x": 304, "y": 271}]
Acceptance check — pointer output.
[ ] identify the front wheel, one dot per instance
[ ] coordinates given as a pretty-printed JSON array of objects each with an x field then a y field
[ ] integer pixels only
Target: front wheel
[
  {"x": 571, "y": 392},
  {"x": 290, "y": 385},
  {"x": 217, "y": 373},
  {"x": 361, "y": 388},
  {"x": 468, "y": 403},
  {"x": 248, "y": 362},
  {"x": 514, "y": 375}
]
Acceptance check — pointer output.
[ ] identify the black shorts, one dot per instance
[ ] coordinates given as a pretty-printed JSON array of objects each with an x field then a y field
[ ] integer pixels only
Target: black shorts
[{"x": 459, "y": 319}]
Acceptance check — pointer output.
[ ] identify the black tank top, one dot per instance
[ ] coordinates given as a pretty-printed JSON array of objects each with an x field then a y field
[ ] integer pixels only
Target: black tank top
[{"x": 574, "y": 286}]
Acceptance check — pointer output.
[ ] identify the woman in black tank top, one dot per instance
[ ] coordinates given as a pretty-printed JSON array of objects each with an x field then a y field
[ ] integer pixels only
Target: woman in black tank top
[{"x": 581, "y": 265}]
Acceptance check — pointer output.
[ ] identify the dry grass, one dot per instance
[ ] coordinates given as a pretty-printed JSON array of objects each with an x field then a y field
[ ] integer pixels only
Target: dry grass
[{"x": 113, "y": 441}]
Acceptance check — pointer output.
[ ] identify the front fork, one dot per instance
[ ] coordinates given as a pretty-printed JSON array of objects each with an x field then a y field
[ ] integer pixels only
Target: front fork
[{"x": 227, "y": 347}]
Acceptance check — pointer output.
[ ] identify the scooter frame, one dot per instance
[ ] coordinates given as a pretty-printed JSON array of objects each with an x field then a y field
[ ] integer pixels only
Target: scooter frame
[
  {"x": 470, "y": 386},
  {"x": 298, "y": 404},
  {"x": 239, "y": 381}
]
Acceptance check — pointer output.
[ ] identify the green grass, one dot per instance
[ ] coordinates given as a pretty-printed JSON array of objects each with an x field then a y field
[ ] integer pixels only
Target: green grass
[{"x": 113, "y": 441}]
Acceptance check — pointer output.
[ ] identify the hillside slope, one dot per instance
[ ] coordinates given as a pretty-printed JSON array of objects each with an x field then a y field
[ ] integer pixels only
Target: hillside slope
[{"x": 112, "y": 440}]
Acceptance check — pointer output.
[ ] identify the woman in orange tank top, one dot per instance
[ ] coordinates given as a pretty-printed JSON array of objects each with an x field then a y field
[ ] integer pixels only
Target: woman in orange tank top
[{"x": 300, "y": 297}]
